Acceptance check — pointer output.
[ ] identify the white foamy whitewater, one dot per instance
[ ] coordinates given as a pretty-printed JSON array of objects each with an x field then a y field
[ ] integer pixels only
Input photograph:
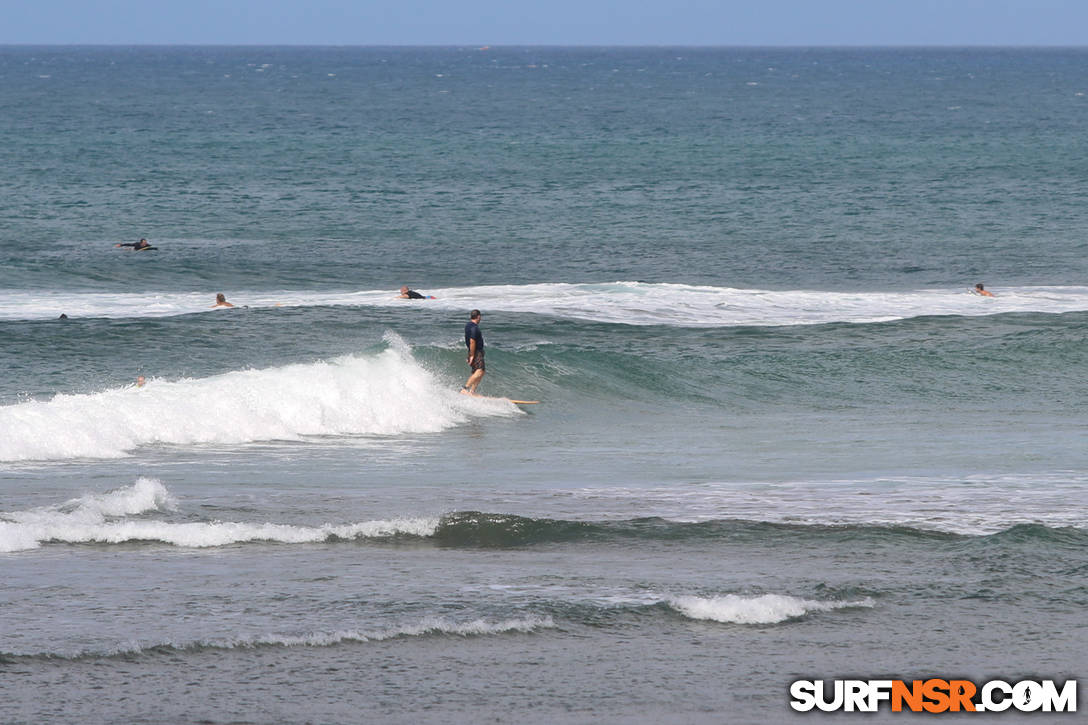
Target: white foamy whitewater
[
  {"x": 128, "y": 514},
  {"x": 632, "y": 303},
  {"x": 762, "y": 609},
  {"x": 385, "y": 394}
]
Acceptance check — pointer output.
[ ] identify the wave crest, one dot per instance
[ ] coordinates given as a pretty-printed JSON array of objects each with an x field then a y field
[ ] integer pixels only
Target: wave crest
[
  {"x": 384, "y": 394},
  {"x": 428, "y": 626},
  {"x": 763, "y": 609},
  {"x": 91, "y": 520},
  {"x": 631, "y": 303}
]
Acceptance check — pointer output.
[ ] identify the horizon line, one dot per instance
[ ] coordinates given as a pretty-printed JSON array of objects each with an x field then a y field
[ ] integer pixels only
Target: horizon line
[{"x": 493, "y": 46}]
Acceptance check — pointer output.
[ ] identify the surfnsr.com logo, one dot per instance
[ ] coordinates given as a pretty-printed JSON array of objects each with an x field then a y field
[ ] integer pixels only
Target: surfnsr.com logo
[{"x": 933, "y": 695}]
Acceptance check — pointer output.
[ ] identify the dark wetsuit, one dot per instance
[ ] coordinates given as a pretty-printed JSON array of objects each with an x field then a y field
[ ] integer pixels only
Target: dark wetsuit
[
  {"x": 413, "y": 295},
  {"x": 472, "y": 332}
]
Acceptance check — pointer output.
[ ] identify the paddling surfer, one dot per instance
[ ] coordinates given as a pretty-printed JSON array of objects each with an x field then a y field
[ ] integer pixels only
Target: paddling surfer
[
  {"x": 980, "y": 290},
  {"x": 137, "y": 246},
  {"x": 474, "y": 340},
  {"x": 410, "y": 294}
]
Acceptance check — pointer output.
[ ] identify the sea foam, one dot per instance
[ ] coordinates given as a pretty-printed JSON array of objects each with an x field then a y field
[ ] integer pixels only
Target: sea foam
[
  {"x": 763, "y": 609},
  {"x": 631, "y": 303},
  {"x": 21, "y": 530},
  {"x": 107, "y": 519},
  {"x": 385, "y": 394}
]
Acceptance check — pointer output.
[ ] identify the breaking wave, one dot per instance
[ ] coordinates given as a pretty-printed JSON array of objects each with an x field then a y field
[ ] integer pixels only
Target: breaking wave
[
  {"x": 385, "y": 394},
  {"x": 762, "y": 609}
]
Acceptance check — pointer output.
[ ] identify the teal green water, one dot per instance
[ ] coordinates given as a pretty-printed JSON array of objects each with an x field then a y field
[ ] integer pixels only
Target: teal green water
[
  {"x": 362, "y": 167},
  {"x": 778, "y": 437}
]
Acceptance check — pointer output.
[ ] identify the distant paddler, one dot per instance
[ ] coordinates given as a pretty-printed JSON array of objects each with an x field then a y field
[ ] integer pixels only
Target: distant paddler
[
  {"x": 140, "y": 246},
  {"x": 980, "y": 290},
  {"x": 221, "y": 301}
]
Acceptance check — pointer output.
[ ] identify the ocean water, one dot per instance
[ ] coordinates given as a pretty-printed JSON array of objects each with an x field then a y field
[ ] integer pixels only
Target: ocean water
[{"x": 778, "y": 437}]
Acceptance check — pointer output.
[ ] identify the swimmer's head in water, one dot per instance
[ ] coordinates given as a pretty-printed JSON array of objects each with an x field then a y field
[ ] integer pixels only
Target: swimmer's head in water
[{"x": 220, "y": 297}]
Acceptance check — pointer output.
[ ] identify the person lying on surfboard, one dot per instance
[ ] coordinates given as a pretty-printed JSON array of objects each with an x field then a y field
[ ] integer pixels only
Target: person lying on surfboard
[
  {"x": 474, "y": 339},
  {"x": 411, "y": 294},
  {"x": 980, "y": 290},
  {"x": 221, "y": 301},
  {"x": 137, "y": 246}
]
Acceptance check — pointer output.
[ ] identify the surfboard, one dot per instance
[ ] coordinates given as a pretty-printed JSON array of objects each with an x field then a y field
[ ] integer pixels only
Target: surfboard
[{"x": 508, "y": 400}]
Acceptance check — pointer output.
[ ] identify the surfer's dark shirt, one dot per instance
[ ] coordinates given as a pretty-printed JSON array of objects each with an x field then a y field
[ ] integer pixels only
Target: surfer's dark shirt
[{"x": 472, "y": 332}]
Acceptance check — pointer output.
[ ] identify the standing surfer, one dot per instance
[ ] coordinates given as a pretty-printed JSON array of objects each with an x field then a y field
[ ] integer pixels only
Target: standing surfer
[{"x": 474, "y": 340}]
